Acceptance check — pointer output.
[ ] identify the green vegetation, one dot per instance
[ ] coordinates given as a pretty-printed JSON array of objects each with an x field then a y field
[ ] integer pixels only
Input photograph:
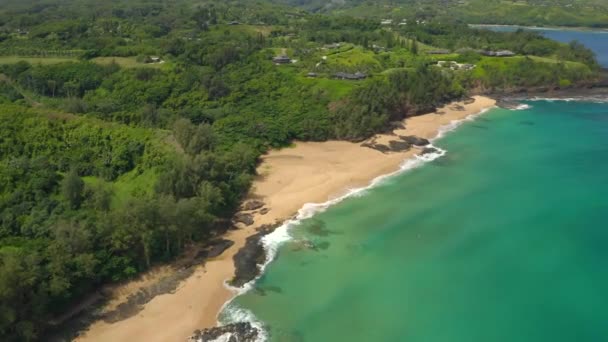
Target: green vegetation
[
  {"x": 34, "y": 60},
  {"x": 111, "y": 161},
  {"x": 587, "y": 13}
]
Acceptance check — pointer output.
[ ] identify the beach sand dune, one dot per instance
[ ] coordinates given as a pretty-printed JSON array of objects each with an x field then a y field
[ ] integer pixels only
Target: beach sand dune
[{"x": 289, "y": 178}]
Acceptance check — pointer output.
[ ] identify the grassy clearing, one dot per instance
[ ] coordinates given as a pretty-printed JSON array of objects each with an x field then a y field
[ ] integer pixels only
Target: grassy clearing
[
  {"x": 127, "y": 62},
  {"x": 505, "y": 64},
  {"x": 356, "y": 57},
  {"x": 537, "y": 59},
  {"x": 444, "y": 57},
  {"x": 133, "y": 184},
  {"x": 250, "y": 29},
  {"x": 392, "y": 70},
  {"x": 335, "y": 89}
]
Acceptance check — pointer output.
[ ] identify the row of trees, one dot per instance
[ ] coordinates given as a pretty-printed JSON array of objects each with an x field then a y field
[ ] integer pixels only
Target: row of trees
[
  {"x": 372, "y": 107},
  {"x": 63, "y": 234}
]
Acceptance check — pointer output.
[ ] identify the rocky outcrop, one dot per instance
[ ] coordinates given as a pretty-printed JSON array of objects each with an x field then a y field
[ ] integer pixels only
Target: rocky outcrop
[
  {"x": 248, "y": 258},
  {"x": 414, "y": 140},
  {"x": 507, "y": 103},
  {"x": 252, "y": 205},
  {"x": 135, "y": 302},
  {"x": 235, "y": 332},
  {"x": 428, "y": 150},
  {"x": 213, "y": 251},
  {"x": 244, "y": 218},
  {"x": 378, "y": 147},
  {"x": 399, "y": 146}
]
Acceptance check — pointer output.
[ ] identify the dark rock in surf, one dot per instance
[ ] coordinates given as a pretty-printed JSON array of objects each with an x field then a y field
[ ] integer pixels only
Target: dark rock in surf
[
  {"x": 508, "y": 103},
  {"x": 235, "y": 332},
  {"x": 414, "y": 140},
  {"x": 428, "y": 150},
  {"x": 248, "y": 258}
]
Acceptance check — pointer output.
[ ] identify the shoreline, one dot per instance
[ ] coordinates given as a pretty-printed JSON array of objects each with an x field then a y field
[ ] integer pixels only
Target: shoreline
[
  {"x": 552, "y": 28},
  {"x": 580, "y": 94},
  {"x": 288, "y": 180}
]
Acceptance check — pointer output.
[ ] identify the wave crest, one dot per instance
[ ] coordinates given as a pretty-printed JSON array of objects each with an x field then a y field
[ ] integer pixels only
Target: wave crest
[
  {"x": 522, "y": 106},
  {"x": 594, "y": 99}
]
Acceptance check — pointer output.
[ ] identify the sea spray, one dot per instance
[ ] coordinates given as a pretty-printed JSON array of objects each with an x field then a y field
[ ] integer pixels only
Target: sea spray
[
  {"x": 522, "y": 106},
  {"x": 231, "y": 313}
]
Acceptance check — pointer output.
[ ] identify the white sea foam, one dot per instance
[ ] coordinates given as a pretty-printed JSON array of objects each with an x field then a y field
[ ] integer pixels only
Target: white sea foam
[
  {"x": 441, "y": 132},
  {"x": 594, "y": 99},
  {"x": 231, "y": 313},
  {"x": 223, "y": 338},
  {"x": 522, "y": 106}
]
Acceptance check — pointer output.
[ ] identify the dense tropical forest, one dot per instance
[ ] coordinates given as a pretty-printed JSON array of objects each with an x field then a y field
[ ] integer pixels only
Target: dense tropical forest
[{"x": 131, "y": 130}]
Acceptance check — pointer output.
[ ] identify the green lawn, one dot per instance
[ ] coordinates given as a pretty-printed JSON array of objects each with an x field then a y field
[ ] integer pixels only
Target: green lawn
[
  {"x": 131, "y": 184},
  {"x": 357, "y": 57},
  {"x": 335, "y": 89},
  {"x": 444, "y": 57},
  {"x": 127, "y": 62},
  {"x": 127, "y": 186}
]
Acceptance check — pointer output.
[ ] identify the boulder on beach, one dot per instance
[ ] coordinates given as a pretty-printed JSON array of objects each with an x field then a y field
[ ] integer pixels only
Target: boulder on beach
[
  {"x": 399, "y": 146},
  {"x": 246, "y": 219},
  {"x": 252, "y": 205},
  {"x": 377, "y": 147}
]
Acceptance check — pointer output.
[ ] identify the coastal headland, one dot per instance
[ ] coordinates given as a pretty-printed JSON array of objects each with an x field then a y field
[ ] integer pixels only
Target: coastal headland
[{"x": 308, "y": 172}]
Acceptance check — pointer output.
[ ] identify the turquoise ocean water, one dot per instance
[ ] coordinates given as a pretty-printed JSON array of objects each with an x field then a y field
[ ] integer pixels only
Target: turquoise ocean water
[{"x": 504, "y": 238}]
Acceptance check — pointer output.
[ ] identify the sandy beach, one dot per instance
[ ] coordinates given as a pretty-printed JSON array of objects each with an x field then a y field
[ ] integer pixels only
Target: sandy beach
[{"x": 288, "y": 179}]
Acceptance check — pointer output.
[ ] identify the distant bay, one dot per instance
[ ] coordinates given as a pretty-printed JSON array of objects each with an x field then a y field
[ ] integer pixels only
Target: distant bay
[{"x": 596, "y": 40}]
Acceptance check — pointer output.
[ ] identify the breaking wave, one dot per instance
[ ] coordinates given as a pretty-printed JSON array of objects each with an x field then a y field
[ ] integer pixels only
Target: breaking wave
[
  {"x": 594, "y": 99},
  {"x": 522, "y": 106}
]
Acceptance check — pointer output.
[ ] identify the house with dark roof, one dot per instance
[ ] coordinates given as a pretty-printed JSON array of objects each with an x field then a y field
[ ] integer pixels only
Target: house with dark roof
[
  {"x": 500, "y": 53},
  {"x": 505, "y": 53},
  {"x": 438, "y": 52},
  {"x": 281, "y": 60},
  {"x": 351, "y": 77},
  {"x": 332, "y": 46}
]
